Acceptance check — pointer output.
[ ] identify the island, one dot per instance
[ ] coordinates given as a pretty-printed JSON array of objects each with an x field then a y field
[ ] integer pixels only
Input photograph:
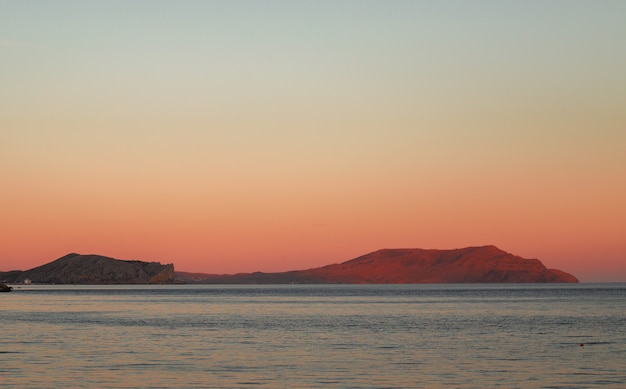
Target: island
[
  {"x": 93, "y": 269},
  {"x": 484, "y": 264}
]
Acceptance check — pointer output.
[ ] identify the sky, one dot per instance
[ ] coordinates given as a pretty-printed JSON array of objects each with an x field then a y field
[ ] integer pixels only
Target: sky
[{"x": 239, "y": 136}]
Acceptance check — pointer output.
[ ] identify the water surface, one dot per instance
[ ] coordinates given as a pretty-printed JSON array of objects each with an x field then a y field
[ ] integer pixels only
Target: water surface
[{"x": 336, "y": 336}]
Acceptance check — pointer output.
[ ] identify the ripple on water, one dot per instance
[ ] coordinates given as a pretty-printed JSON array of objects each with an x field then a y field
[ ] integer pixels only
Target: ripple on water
[{"x": 333, "y": 336}]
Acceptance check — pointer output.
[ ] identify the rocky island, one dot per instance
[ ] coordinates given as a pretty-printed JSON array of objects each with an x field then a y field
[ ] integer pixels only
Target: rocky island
[
  {"x": 94, "y": 269},
  {"x": 486, "y": 264}
]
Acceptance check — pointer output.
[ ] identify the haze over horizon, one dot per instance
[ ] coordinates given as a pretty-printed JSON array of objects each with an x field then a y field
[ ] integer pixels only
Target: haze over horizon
[{"x": 269, "y": 136}]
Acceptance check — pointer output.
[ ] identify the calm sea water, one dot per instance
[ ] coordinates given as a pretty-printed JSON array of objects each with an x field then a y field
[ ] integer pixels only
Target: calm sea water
[{"x": 295, "y": 336}]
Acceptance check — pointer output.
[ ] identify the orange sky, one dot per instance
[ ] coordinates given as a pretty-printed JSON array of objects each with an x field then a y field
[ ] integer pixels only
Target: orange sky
[{"x": 231, "y": 137}]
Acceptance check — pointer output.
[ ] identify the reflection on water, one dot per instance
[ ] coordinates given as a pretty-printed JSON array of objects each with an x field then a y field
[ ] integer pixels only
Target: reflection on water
[{"x": 312, "y": 336}]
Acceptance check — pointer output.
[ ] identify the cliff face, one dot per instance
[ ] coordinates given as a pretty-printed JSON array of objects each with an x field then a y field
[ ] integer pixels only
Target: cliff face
[
  {"x": 486, "y": 264},
  {"x": 95, "y": 269}
]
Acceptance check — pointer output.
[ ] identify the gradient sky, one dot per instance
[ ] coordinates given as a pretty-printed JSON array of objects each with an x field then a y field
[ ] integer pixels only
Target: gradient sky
[{"x": 236, "y": 136}]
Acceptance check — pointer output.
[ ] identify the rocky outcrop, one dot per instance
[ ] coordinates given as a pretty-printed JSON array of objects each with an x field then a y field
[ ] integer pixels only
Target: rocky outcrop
[
  {"x": 486, "y": 264},
  {"x": 95, "y": 269},
  {"x": 563, "y": 276}
]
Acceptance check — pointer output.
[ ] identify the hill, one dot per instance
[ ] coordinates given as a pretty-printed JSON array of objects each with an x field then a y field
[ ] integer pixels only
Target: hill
[
  {"x": 94, "y": 269},
  {"x": 486, "y": 264}
]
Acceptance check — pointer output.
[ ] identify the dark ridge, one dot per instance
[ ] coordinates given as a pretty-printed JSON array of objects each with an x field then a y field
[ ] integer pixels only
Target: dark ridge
[{"x": 94, "y": 269}]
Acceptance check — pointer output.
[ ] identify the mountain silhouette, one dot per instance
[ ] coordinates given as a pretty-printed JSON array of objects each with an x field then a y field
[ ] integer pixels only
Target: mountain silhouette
[
  {"x": 486, "y": 264},
  {"x": 94, "y": 269}
]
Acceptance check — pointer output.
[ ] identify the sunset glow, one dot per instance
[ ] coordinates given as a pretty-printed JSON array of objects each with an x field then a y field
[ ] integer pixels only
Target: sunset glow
[{"x": 232, "y": 137}]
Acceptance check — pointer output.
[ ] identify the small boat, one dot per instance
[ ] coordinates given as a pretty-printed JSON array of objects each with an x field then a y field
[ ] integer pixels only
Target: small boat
[{"x": 4, "y": 287}]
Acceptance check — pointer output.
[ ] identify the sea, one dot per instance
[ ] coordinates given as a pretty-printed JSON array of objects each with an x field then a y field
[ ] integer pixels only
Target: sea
[{"x": 314, "y": 336}]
